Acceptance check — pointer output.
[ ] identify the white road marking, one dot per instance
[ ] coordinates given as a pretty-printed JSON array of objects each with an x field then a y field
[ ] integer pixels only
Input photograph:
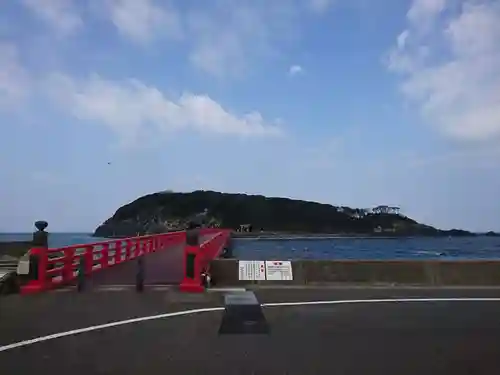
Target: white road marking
[
  {"x": 103, "y": 326},
  {"x": 384, "y": 300},
  {"x": 212, "y": 309},
  {"x": 324, "y": 286}
]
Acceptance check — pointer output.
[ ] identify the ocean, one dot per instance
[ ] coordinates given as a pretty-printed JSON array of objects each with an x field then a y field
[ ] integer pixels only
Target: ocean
[
  {"x": 55, "y": 239},
  {"x": 367, "y": 248},
  {"x": 338, "y": 248}
]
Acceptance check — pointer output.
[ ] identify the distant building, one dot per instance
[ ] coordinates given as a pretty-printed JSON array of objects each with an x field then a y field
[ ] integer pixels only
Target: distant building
[{"x": 245, "y": 228}]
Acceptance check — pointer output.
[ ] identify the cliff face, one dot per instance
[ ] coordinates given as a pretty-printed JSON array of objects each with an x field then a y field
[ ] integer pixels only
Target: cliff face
[{"x": 168, "y": 211}]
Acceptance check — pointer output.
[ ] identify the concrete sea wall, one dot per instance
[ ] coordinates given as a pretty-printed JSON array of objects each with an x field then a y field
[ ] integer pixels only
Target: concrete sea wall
[{"x": 373, "y": 272}]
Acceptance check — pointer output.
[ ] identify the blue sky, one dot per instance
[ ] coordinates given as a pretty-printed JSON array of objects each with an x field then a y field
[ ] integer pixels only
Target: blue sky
[{"x": 348, "y": 102}]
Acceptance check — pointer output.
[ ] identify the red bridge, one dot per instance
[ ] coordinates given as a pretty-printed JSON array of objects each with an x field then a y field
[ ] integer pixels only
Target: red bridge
[{"x": 163, "y": 259}]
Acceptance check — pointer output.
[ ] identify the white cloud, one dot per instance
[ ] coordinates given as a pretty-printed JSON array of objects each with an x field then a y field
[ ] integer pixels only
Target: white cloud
[
  {"x": 450, "y": 61},
  {"x": 131, "y": 107},
  {"x": 295, "y": 69},
  {"x": 143, "y": 21},
  {"x": 423, "y": 12},
  {"x": 223, "y": 37},
  {"x": 59, "y": 14},
  {"x": 14, "y": 80},
  {"x": 230, "y": 36},
  {"x": 227, "y": 36}
]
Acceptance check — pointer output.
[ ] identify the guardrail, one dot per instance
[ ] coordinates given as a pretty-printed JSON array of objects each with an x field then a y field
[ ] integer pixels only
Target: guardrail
[{"x": 55, "y": 267}]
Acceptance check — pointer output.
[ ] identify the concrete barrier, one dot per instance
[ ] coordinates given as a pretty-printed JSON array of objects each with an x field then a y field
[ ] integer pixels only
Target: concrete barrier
[{"x": 372, "y": 272}]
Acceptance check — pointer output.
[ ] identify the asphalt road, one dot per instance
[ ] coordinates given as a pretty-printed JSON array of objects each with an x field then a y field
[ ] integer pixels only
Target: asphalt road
[{"x": 426, "y": 337}]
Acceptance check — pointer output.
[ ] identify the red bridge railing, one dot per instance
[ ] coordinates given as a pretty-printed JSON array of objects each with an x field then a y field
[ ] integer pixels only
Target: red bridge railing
[
  {"x": 197, "y": 261},
  {"x": 60, "y": 266}
]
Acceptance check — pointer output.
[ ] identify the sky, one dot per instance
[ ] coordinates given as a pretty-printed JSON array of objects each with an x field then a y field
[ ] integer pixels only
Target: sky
[{"x": 347, "y": 102}]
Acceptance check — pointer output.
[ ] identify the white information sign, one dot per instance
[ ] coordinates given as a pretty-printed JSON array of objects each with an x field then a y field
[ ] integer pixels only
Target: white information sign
[
  {"x": 252, "y": 270},
  {"x": 279, "y": 270}
]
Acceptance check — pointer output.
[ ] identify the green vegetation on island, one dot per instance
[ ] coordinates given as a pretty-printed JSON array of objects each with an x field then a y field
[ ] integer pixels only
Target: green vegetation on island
[{"x": 170, "y": 211}]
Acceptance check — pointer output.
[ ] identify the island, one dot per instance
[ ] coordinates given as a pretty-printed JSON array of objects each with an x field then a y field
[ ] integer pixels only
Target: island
[{"x": 250, "y": 215}]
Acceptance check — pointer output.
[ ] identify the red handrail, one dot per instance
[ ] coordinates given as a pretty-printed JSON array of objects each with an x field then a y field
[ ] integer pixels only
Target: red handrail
[
  {"x": 59, "y": 266},
  {"x": 211, "y": 249}
]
